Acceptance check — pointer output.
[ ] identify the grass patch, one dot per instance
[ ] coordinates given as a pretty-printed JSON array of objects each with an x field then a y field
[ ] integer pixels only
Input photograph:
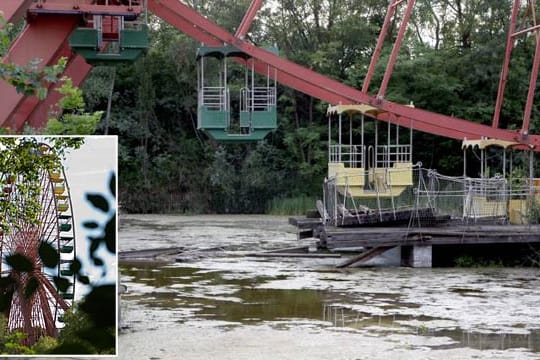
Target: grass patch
[
  {"x": 298, "y": 205},
  {"x": 469, "y": 261}
]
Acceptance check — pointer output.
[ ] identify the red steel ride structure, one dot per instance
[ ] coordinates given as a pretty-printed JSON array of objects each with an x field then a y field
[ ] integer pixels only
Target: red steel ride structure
[
  {"x": 51, "y": 22},
  {"x": 37, "y": 304}
]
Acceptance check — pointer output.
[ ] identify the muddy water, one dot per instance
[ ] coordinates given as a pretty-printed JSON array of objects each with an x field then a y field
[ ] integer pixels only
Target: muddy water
[{"x": 218, "y": 302}]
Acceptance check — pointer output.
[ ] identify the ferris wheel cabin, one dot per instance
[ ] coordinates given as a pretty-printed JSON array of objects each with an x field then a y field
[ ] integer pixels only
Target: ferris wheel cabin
[
  {"x": 109, "y": 31},
  {"x": 234, "y": 103},
  {"x": 370, "y": 168}
]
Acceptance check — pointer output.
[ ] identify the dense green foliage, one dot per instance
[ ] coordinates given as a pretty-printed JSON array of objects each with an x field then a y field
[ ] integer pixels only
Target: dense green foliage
[
  {"x": 71, "y": 117},
  {"x": 449, "y": 63},
  {"x": 24, "y": 162}
]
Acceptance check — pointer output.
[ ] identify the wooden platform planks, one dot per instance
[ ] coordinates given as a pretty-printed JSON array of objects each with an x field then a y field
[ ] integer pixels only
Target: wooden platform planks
[{"x": 337, "y": 237}]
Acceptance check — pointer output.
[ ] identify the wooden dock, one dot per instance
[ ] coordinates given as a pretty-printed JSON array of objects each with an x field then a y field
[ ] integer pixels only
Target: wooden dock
[
  {"x": 372, "y": 241},
  {"x": 338, "y": 237}
]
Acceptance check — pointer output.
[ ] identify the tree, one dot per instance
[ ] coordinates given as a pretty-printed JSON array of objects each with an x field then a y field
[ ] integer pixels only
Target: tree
[
  {"x": 26, "y": 158},
  {"x": 71, "y": 118}
]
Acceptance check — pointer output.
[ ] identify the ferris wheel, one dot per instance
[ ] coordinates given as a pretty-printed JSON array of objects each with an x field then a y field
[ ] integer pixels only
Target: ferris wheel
[{"x": 38, "y": 302}]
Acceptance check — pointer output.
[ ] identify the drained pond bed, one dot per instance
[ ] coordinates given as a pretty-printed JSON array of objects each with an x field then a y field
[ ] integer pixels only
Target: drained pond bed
[{"x": 220, "y": 302}]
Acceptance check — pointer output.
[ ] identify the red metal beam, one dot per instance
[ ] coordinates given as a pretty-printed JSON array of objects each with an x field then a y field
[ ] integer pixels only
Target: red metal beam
[
  {"x": 248, "y": 18},
  {"x": 43, "y": 39},
  {"x": 14, "y": 10},
  {"x": 28, "y": 104},
  {"x": 506, "y": 64},
  {"x": 532, "y": 89},
  {"x": 378, "y": 47},
  {"x": 395, "y": 50},
  {"x": 70, "y": 8},
  {"x": 178, "y": 21},
  {"x": 327, "y": 89}
]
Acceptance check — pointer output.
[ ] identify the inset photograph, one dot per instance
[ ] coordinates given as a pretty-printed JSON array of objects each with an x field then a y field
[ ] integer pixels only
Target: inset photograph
[{"x": 58, "y": 233}]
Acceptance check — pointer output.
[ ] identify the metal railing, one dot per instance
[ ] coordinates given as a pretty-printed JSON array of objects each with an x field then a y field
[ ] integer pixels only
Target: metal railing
[
  {"x": 457, "y": 199},
  {"x": 339, "y": 203},
  {"x": 350, "y": 155},
  {"x": 353, "y": 155},
  {"x": 215, "y": 98},
  {"x": 257, "y": 99},
  {"x": 387, "y": 155}
]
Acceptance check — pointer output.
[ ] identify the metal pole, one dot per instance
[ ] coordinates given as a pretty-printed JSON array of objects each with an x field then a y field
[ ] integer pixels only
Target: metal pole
[
  {"x": 252, "y": 93},
  {"x": 199, "y": 88},
  {"x": 411, "y": 141},
  {"x": 350, "y": 131},
  {"x": 464, "y": 162},
  {"x": 378, "y": 48},
  {"x": 531, "y": 166},
  {"x": 248, "y": 18},
  {"x": 329, "y": 140},
  {"x": 395, "y": 49},
  {"x": 506, "y": 64},
  {"x": 532, "y": 89},
  {"x": 482, "y": 164},
  {"x": 363, "y": 149},
  {"x": 376, "y": 142},
  {"x": 339, "y": 137},
  {"x": 388, "y": 144},
  {"x": 352, "y": 154},
  {"x": 504, "y": 163}
]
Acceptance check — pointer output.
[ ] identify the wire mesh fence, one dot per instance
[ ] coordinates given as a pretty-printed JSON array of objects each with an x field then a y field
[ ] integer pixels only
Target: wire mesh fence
[{"x": 430, "y": 199}]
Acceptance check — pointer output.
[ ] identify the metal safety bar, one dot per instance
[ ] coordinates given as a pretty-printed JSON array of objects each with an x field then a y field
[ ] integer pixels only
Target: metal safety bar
[
  {"x": 214, "y": 98},
  {"x": 350, "y": 155},
  {"x": 257, "y": 99},
  {"x": 387, "y": 155}
]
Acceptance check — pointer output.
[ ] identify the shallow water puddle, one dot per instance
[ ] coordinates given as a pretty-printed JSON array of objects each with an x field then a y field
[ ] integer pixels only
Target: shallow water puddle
[{"x": 234, "y": 300}]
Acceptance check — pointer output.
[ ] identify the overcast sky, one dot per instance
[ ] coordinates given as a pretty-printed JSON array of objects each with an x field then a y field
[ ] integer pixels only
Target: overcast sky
[{"x": 88, "y": 170}]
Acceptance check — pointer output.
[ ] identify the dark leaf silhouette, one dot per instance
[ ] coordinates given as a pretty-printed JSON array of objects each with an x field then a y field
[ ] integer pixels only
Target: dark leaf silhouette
[
  {"x": 20, "y": 262},
  {"x": 31, "y": 287},
  {"x": 83, "y": 279},
  {"x": 112, "y": 185},
  {"x": 99, "y": 339},
  {"x": 48, "y": 254},
  {"x": 75, "y": 266},
  {"x": 62, "y": 284},
  {"x": 91, "y": 224},
  {"x": 6, "y": 292},
  {"x": 110, "y": 234},
  {"x": 99, "y": 305},
  {"x": 98, "y": 201}
]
